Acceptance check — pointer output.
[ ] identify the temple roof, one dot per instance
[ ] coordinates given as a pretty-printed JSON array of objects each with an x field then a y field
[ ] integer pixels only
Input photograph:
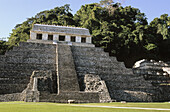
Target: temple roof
[{"x": 61, "y": 29}]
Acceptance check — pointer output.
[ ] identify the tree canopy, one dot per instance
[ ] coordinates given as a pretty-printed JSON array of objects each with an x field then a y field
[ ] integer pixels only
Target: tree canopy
[{"x": 122, "y": 31}]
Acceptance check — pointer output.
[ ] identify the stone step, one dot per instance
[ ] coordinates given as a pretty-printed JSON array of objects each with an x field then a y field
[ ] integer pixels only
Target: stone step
[
  {"x": 15, "y": 73},
  {"x": 160, "y": 82},
  {"x": 30, "y": 45},
  {"x": 14, "y": 80},
  {"x": 32, "y": 54},
  {"x": 157, "y": 77},
  {"x": 32, "y": 50},
  {"x": 82, "y": 73},
  {"x": 19, "y": 59},
  {"x": 94, "y": 58},
  {"x": 149, "y": 72},
  {"x": 99, "y": 69},
  {"x": 9, "y": 88},
  {"x": 116, "y": 80},
  {"x": 25, "y": 66},
  {"x": 99, "y": 64},
  {"x": 114, "y": 59},
  {"x": 124, "y": 77},
  {"x": 99, "y": 72},
  {"x": 127, "y": 84},
  {"x": 86, "y": 49},
  {"x": 142, "y": 89},
  {"x": 89, "y": 54},
  {"x": 11, "y": 77},
  {"x": 165, "y": 86},
  {"x": 136, "y": 90}
]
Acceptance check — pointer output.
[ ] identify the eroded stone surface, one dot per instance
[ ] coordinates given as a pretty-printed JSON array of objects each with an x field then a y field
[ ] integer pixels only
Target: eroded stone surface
[
  {"x": 93, "y": 83},
  {"x": 158, "y": 73}
]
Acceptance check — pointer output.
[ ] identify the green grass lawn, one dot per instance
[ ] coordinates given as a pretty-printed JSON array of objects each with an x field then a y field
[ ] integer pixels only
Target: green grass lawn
[{"x": 56, "y": 107}]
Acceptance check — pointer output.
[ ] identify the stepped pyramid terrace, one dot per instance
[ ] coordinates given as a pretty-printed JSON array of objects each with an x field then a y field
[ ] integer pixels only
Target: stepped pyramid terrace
[{"x": 60, "y": 64}]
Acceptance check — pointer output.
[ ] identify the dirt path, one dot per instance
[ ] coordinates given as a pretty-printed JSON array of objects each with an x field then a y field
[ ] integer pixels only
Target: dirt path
[{"x": 141, "y": 108}]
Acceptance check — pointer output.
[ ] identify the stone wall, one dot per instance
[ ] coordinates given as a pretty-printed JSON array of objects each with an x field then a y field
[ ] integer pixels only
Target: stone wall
[
  {"x": 11, "y": 97},
  {"x": 17, "y": 65},
  {"x": 122, "y": 84},
  {"x": 39, "y": 81},
  {"x": 64, "y": 97}
]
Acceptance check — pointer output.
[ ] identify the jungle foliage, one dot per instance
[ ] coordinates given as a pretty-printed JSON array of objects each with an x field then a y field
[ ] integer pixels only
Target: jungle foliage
[{"x": 122, "y": 31}]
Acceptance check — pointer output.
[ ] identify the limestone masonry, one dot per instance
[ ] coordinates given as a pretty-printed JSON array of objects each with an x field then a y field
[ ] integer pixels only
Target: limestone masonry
[{"x": 60, "y": 64}]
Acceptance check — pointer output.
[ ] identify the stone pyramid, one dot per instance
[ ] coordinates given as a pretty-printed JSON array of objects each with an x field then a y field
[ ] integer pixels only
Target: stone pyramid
[{"x": 68, "y": 71}]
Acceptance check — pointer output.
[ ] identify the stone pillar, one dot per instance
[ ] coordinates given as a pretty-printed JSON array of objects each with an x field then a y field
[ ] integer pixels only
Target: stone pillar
[
  {"x": 33, "y": 35},
  {"x": 44, "y": 36},
  {"x": 67, "y": 39},
  {"x": 35, "y": 81},
  {"x": 56, "y": 37},
  {"x": 78, "y": 38},
  {"x": 88, "y": 39}
]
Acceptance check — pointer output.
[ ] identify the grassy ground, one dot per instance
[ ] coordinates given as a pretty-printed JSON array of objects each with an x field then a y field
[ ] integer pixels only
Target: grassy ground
[{"x": 55, "y": 107}]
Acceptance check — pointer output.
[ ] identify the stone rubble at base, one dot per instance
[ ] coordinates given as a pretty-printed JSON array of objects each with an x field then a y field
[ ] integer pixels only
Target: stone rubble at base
[{"x": 70, "y": 70}]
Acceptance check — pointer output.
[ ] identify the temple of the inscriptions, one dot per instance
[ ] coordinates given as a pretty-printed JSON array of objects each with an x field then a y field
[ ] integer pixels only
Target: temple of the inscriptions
[
  {"x": 61, "y": 34},
  {"x": 60, "y": 64}
]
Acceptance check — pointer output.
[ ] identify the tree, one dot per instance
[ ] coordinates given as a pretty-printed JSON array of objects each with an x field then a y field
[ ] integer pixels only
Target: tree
[
  {"x": 57, "y": 16},
  {"x": 164, "y": 26},
  {"x": 118, "y": 33},
  {"x": 109, "y": 5},
  {"x": 160, "y": 35}
]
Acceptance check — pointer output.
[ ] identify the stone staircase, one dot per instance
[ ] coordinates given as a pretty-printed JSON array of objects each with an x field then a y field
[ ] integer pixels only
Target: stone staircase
[
  {"x": 120, "y": 81},
  {"x": 67, "y": 77},
  {"x": 17, "y": 65}
]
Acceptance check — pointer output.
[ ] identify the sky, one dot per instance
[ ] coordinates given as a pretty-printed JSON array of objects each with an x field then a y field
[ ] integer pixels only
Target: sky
[{"x": 14, "y": 12}]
